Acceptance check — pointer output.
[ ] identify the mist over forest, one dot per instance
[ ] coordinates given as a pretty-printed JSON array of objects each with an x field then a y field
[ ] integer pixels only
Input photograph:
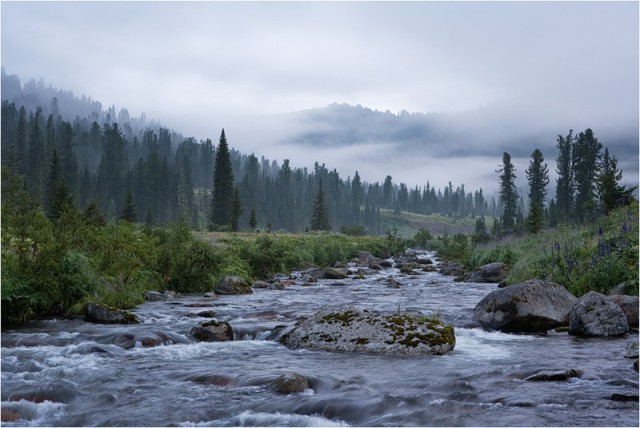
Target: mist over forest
[{"x": 360, "y": 152}]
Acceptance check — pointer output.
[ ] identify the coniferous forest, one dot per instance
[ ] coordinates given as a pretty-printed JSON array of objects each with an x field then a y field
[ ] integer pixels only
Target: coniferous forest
[{"x": 98, "y": 205}]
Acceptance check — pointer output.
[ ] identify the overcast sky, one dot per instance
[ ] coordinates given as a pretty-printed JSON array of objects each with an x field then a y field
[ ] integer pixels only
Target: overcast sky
[{"x": 195, "y": 66}]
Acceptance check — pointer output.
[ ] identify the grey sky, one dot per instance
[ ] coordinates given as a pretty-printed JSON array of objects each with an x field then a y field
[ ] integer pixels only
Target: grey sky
[{"x": 197, "y": 66}]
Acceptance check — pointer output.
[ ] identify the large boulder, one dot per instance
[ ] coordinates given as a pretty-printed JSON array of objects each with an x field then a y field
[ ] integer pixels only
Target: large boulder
[
  {"x": 629, "y": 305},
  {"x": 595, "y": 315},
  {"x": 492, "y": 272},
  {"x": 529, "y": 307},
  {"x": 102, "y": 314},
  {"x": 289, "y": 383},
  {"x": 212, "y": 331},
  {"x": 229, "y": 285},
  {"x": 348, "y": 329}
]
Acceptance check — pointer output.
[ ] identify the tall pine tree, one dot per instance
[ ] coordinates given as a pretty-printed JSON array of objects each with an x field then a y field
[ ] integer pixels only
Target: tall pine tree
[
  {"x": 538, "y": 178},
  {"x": 222, "y": 193},
  {"x": 508, "y": 194},
  {"x": 564, "y": 182},
  {"x": 586, "y": 157},
  {"x": 320, "y": 217}
]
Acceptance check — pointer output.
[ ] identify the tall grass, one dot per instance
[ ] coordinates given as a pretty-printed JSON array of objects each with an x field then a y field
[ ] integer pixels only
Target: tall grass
[{"x": 595, "y": 256}]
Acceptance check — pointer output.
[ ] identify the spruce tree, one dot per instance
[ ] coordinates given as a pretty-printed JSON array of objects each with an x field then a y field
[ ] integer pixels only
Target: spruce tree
[
  {"x": 538, "y": 178},
  {"x": 586, "y": 157},
  {"x": 320, "y": 217},
  {"x": 56, "y": 192},
  {"x": 222, "y": 193},
  {"x": 253, "y": 221},
  {"x": 236, "y": 210},
  {"x": 610, "y": 192},
  {"x": 564, "y": 182},
  {"x": 129, "y": 210},
  {"x": 508, "y": 194}
]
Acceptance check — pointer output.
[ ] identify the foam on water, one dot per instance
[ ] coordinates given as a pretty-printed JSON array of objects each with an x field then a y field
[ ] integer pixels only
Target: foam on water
[
  {"x": 484, "y": 344},
  {"x": 249, "y": 418},
  {"x": 35, "y": 414}
]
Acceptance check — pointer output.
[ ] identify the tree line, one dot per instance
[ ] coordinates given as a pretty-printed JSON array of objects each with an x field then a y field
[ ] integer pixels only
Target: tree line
[
  {"x": 156, "y": 176},
  {"x": 588, "y": 185}
]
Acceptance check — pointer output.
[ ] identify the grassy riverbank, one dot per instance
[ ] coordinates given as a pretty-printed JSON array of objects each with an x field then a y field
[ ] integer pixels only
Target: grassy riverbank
[
  {"x": 593, "y": 256},
  {"x": 56, "y": 268}
]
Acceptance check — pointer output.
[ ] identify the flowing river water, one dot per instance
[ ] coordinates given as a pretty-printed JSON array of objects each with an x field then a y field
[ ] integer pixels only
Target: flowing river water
[{"x": 73, "y": 373}]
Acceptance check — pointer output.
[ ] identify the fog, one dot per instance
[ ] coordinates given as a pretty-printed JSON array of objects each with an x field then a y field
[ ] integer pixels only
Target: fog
[{"x": 490, "y": 76}]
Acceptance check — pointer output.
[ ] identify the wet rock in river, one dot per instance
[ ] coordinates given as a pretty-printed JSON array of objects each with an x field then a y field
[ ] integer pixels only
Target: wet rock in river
[
  {"x": 452, "y": 269},
  {"x": 102, "y": 314},
  {"x": 201, "y": 314},
  {"x": 595, "y": 315},
  {"x": 230, "y": 285},
  {"x": 632, "y": 349},
  {"x": 260, "y": 284},
  {"x": 529, "y": 307},
  {"x": 490, "y": 273},
  {"x": 348, "y": 329},
  {"x": 629, "y": 305},
  {"x": 212, "y": 331},
  {"x": 156, "y": 296},
  {"x": 289, "y": 383},
  {"x": 554, "y": 376}
]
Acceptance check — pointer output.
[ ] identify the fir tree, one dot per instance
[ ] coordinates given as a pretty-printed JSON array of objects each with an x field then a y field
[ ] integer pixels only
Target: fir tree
[
  {"x": 57, "y": 194},
  {"x": 564, "y": 182},
  {"x": 538, "y": 178},
  {"x": 236, "y": 210},
  {"x": 253, "y": 221},
  {"x": 222, "y": 193},
  {"x": 508, "y": 194},
  {"x": 320, "y": 217},
  {"x": 129, "y": 210},
  {"x": 610, "y": 192},
  {"x": 586, "y": 156}
]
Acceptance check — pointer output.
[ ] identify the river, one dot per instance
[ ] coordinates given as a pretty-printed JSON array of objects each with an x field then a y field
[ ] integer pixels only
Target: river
[{"x": 67, "y": 372}]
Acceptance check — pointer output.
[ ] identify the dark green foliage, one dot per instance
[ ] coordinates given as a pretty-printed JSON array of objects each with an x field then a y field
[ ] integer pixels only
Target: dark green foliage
[
  {"x": 236, "y": 210},
  {"x": 538, "y": 178},
  {"x": 222, "y": 193},
  {"x": 455, "y": 248},
  {"x": 564, "y": 182},
  {"x": 421, "y": 238},
  {"x": 320, "y": 216},
  {"x": 611, "y": 193},
  {"x": 129, "y": 212},
  {"x": 480, "y": 234},
  {"x": 253, "y": 221},
  {"x": 586, "y": 157},
  {"x": 56, "y": 193},
  {"x": 353, "y": 230},
  {"x": 508, "y": 194}
]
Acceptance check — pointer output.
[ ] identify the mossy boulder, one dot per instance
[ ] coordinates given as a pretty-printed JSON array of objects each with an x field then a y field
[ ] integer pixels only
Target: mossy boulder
[
  {"x": 349, "y": 329},
  {"x": 230, "y": 285},
  {"x": 103, "y": 314}
]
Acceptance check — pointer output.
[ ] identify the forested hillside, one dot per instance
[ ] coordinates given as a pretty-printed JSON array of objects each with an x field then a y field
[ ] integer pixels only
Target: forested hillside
[{"x": 72, "y": 151}]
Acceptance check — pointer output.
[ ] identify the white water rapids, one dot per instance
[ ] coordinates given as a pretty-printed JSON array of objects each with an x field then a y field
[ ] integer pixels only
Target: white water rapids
[{"x": 73, "y": 373}]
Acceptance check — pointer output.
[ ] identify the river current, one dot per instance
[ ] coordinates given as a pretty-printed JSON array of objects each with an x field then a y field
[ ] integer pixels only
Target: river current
[{"x": 66, "y": 372}]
